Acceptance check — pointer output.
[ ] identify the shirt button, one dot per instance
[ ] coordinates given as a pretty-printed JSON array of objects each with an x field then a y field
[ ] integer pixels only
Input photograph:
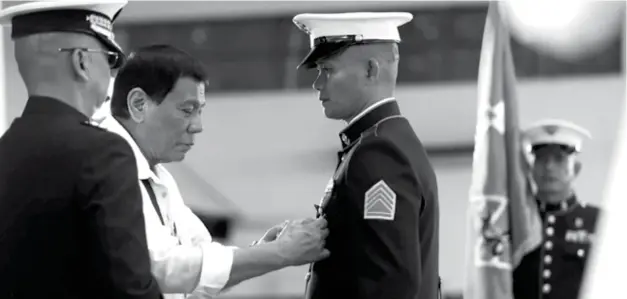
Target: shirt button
[
  {"x": 546, "y": 288},
  {"x": 550, "y": 231},
  {"x": 164, "y": 194},
  {"x": 546, "y": 273},
  {"x": 548, "y": 259},
  {"x": 551, "y": 219},
  {"x": 548, "y": 245}
]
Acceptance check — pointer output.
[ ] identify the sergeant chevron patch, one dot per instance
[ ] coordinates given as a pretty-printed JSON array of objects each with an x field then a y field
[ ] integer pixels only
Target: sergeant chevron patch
[{"x": 380, "y": 202}]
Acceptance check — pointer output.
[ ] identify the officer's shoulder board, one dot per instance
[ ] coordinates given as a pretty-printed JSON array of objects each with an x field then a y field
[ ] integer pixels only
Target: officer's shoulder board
[
  {"x": 583, "y": 220},
  {"x": 589, "y": 210},
  {"x": 592, "y": 208},
  {"x": 93, "y": 124}
]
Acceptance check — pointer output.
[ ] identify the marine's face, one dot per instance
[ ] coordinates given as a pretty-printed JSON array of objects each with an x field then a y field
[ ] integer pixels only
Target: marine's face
[
  {"x": 169, "y": 127},
  {"x": 554, "y": 169},
  {"x": 340, "y": 87}
]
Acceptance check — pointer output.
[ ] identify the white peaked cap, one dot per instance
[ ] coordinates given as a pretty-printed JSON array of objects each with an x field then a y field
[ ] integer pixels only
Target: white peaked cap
[
  {"x": 329, "y": 33},
  {"x": 555, "y": 131},
  {"x": 107, "y": 8}
]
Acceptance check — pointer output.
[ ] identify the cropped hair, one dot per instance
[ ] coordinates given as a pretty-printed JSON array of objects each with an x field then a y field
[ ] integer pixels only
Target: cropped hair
[{"x": 155, "y": 69}]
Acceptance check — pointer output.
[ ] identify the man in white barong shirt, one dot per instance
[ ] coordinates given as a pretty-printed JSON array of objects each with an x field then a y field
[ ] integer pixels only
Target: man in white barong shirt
[{"x": 155, "y": 106}]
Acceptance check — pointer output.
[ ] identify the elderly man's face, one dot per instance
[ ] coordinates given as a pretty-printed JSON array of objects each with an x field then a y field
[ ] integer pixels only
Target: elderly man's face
[
  {"x": 168, "y": 130},
  {"x": 554, "y": 169},
  {"x": 340, "y": 84}
]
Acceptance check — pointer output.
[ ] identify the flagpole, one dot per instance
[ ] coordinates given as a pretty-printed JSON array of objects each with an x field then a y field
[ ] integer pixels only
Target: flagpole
[{"x": 3, "y": 80}]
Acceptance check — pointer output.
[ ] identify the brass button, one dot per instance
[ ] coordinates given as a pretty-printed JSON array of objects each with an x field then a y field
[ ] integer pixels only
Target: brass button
[
  {"x": 548, "y": 245},
  {"x": 581, "y": 253},
  {"x": 548, "y": 259}
]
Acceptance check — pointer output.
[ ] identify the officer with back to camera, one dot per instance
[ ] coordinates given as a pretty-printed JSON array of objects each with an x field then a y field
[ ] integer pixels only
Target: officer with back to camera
[{"x": 71, "y": 221}]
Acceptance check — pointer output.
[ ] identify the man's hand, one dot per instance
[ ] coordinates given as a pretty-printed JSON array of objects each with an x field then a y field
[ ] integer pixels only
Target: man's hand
[
  {"x": 302, "y": 242},
  {"x": 297, "y": 243},
  {"x": 271, "y": 234}
]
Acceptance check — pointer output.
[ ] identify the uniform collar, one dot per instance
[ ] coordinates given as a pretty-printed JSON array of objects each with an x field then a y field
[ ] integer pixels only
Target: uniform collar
[
  {"x": 368, "y": 118},
  {"x": 41, "y": 105},
  {"x": 368, "y": 109},
  {"x": 143, "y": 167},
  {"x": 563, "y": 206}
]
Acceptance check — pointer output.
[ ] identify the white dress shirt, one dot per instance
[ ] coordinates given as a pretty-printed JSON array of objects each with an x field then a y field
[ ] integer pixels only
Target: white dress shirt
[{"x": 182, "y": 248}]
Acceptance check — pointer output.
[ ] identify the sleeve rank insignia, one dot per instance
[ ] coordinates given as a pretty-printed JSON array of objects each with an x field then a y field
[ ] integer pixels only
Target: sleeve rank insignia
[{"x": 380, "y": 202}]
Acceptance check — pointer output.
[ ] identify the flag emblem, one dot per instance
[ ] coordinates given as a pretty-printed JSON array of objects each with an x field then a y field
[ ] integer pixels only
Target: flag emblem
[
  {"x": 380, "y": 202},
  {"x": 494, "y": 243}
]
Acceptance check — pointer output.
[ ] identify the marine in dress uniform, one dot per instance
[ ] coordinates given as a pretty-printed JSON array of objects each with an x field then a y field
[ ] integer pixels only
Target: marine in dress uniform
[
  {"x": 556, "y": 268},
  {"x": 71, "y": 222},
  {"x": 382, "y": 202}
]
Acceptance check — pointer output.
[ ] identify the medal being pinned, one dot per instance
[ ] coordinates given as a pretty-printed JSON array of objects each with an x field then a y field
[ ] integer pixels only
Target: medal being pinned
[{"x": 328, "y": 192}]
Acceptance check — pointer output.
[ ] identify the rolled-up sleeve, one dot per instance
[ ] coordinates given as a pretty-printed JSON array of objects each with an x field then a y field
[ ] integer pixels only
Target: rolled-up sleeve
[
  {"x": 217, "y": 258},
  {"x": 202, "y": 269},
  {"x": 198, "y": 267}
]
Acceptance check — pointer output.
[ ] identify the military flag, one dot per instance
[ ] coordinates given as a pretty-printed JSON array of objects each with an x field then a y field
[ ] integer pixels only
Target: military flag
[{"x": 504, "y": 222}]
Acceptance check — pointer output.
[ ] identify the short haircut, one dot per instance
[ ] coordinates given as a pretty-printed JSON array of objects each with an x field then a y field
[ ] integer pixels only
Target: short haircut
[{"x": 155, "y": 69}]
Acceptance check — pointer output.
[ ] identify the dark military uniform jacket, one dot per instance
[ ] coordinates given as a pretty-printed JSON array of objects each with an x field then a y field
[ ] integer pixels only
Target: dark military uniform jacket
[
  {"x": 71, "y": 221},
  {"x": 382, "y": 211},
  {"x": 556, "y": 268}
]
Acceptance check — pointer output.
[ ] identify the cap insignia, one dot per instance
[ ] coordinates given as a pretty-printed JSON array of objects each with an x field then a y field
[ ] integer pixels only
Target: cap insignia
[
  {"x": 101, "y": 25},
  {"x": 551, "y": 130}
]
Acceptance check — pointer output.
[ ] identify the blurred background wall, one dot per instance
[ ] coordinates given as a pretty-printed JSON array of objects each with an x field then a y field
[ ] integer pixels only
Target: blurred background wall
[{"x": 267, "y": 151}]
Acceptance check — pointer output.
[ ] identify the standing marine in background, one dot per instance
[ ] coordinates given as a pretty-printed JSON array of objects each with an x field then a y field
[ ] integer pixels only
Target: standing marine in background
[{"x": 556, "y": 268}]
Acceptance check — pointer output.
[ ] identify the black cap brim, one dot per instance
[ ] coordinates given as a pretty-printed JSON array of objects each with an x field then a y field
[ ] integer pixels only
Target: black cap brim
[
  {"x": 322, "y": 51},
  {"x": 563, "y": 147},
  {"x": 112, "y": 46}
]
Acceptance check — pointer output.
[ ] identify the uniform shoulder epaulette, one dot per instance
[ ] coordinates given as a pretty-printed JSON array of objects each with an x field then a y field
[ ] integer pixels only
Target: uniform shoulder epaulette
[
  {"x": 592, "y": 208},
  {"x": 93, "y": 124}
]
